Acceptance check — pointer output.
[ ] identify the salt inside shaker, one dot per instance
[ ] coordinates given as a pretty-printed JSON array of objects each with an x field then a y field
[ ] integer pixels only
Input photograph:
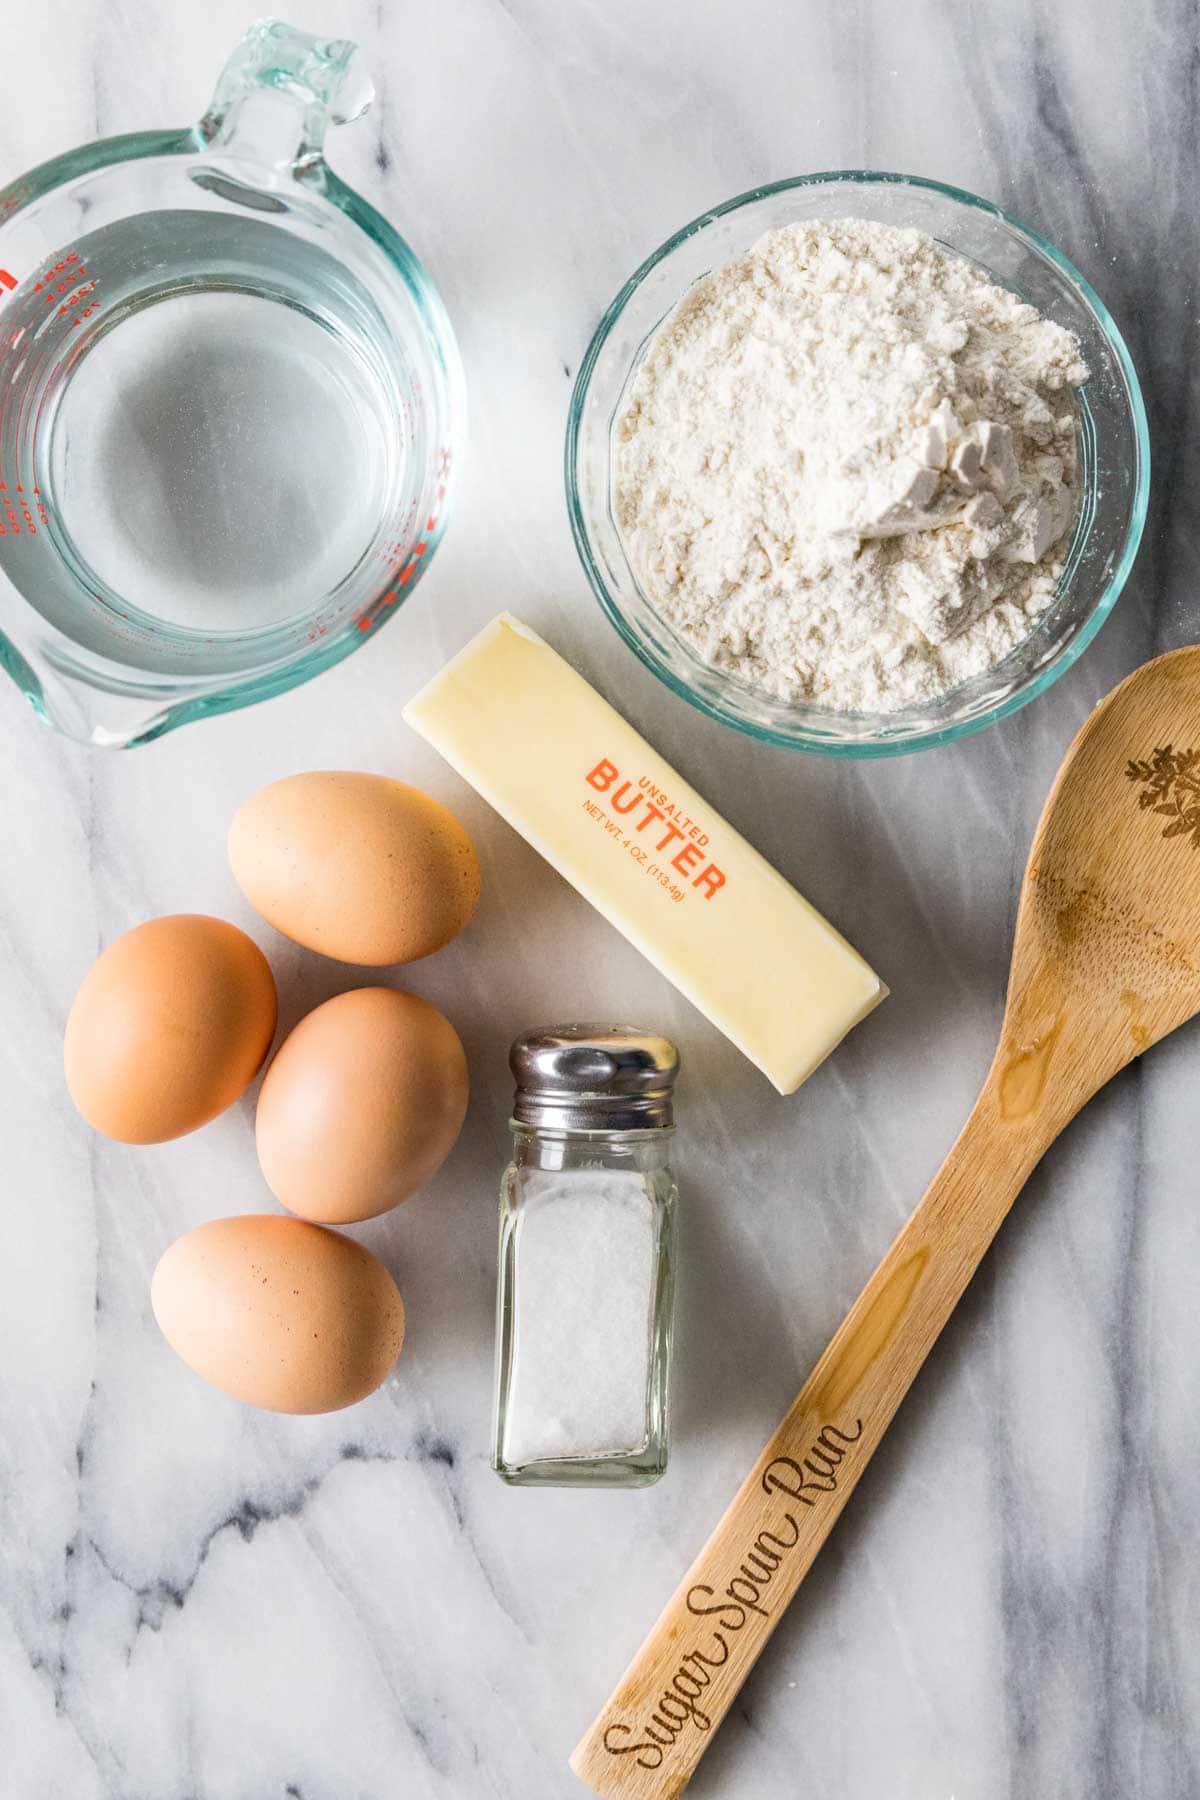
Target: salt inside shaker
[{"x": 583, "y": 1324}]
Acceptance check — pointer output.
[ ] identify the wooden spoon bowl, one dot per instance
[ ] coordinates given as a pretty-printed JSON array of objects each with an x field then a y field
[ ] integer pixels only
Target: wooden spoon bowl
[{"x": 1106, "y": 958}]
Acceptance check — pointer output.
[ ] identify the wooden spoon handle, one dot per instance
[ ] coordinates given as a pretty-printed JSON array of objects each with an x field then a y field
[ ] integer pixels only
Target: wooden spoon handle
[{"x": 649, "y": 1737}]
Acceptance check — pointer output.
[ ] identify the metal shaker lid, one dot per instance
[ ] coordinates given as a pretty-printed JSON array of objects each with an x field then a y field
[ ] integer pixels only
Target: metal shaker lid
[{"x": 593, "y": 1078}]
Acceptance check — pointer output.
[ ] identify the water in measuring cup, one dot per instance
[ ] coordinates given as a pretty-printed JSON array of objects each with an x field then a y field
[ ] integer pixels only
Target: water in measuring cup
[
  {"x": 219, "y": 459},
  {"x": 212, "y": 436}
]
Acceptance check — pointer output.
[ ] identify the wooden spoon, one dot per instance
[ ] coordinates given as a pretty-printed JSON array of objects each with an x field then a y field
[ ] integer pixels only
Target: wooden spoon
[{"x": 1106, "y": 961}]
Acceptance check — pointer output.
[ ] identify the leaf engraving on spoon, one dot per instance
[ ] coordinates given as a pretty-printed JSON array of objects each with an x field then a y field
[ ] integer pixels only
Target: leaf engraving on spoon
[{"x": 1170, "y": 784}]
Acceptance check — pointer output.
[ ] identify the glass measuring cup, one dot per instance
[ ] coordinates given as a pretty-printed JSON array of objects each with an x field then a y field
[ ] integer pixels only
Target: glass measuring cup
[{"x": 231, "y": 407}]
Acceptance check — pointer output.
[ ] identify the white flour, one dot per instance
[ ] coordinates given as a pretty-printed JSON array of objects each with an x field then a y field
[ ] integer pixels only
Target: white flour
[{"x": 847, "y": 468}]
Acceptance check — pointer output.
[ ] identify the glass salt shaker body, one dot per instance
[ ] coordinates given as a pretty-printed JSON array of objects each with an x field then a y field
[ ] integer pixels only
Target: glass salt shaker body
[{"x": 584, "y": 1304}]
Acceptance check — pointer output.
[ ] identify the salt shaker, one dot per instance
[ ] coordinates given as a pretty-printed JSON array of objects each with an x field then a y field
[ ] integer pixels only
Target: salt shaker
[{"x": 583, "y": 1321}]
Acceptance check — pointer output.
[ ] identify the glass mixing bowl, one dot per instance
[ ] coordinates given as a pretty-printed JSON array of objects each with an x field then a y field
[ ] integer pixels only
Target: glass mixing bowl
[{"x": 1114, "y": 444}]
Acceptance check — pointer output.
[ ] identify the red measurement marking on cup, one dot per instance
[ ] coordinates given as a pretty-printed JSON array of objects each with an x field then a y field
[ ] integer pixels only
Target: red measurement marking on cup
[
  {"x": 53, "y": 303},
  {"x": 401, "y": 552},
  {"x": 67, "y": 289},
  {"x": 390, "y": 598},
  {"x": 70, "y": 285},
  {"x": 18, "y": 510},
  {"x": 22, "y": 508}
]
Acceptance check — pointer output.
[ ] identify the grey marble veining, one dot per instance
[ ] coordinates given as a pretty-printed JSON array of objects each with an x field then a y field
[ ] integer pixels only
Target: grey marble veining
[{"x": 201, "y": 1603}]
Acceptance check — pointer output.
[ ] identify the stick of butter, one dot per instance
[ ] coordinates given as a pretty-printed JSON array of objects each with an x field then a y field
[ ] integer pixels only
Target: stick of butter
[{"x": 579, "y": 783}]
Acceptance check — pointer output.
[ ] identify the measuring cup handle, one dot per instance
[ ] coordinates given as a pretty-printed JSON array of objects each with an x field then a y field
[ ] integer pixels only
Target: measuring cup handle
[{"x": 275, "y": 74}]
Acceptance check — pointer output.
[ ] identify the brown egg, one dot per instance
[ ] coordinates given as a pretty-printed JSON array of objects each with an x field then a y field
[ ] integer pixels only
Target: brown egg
[
  {"x": 356, "y": 866},
  {"x": 361, "y": 1106},
  {"x": 170, "y": 1027},
  {"x": 278, "y": 1313}
]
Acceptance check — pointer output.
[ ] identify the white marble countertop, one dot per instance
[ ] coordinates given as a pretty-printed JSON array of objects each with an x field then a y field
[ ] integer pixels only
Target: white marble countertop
[{"x": 202, "y": 1603}]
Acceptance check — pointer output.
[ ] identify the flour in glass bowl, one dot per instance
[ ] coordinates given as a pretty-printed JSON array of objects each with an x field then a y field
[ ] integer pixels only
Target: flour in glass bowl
[{"x": 847, "y": 470}]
